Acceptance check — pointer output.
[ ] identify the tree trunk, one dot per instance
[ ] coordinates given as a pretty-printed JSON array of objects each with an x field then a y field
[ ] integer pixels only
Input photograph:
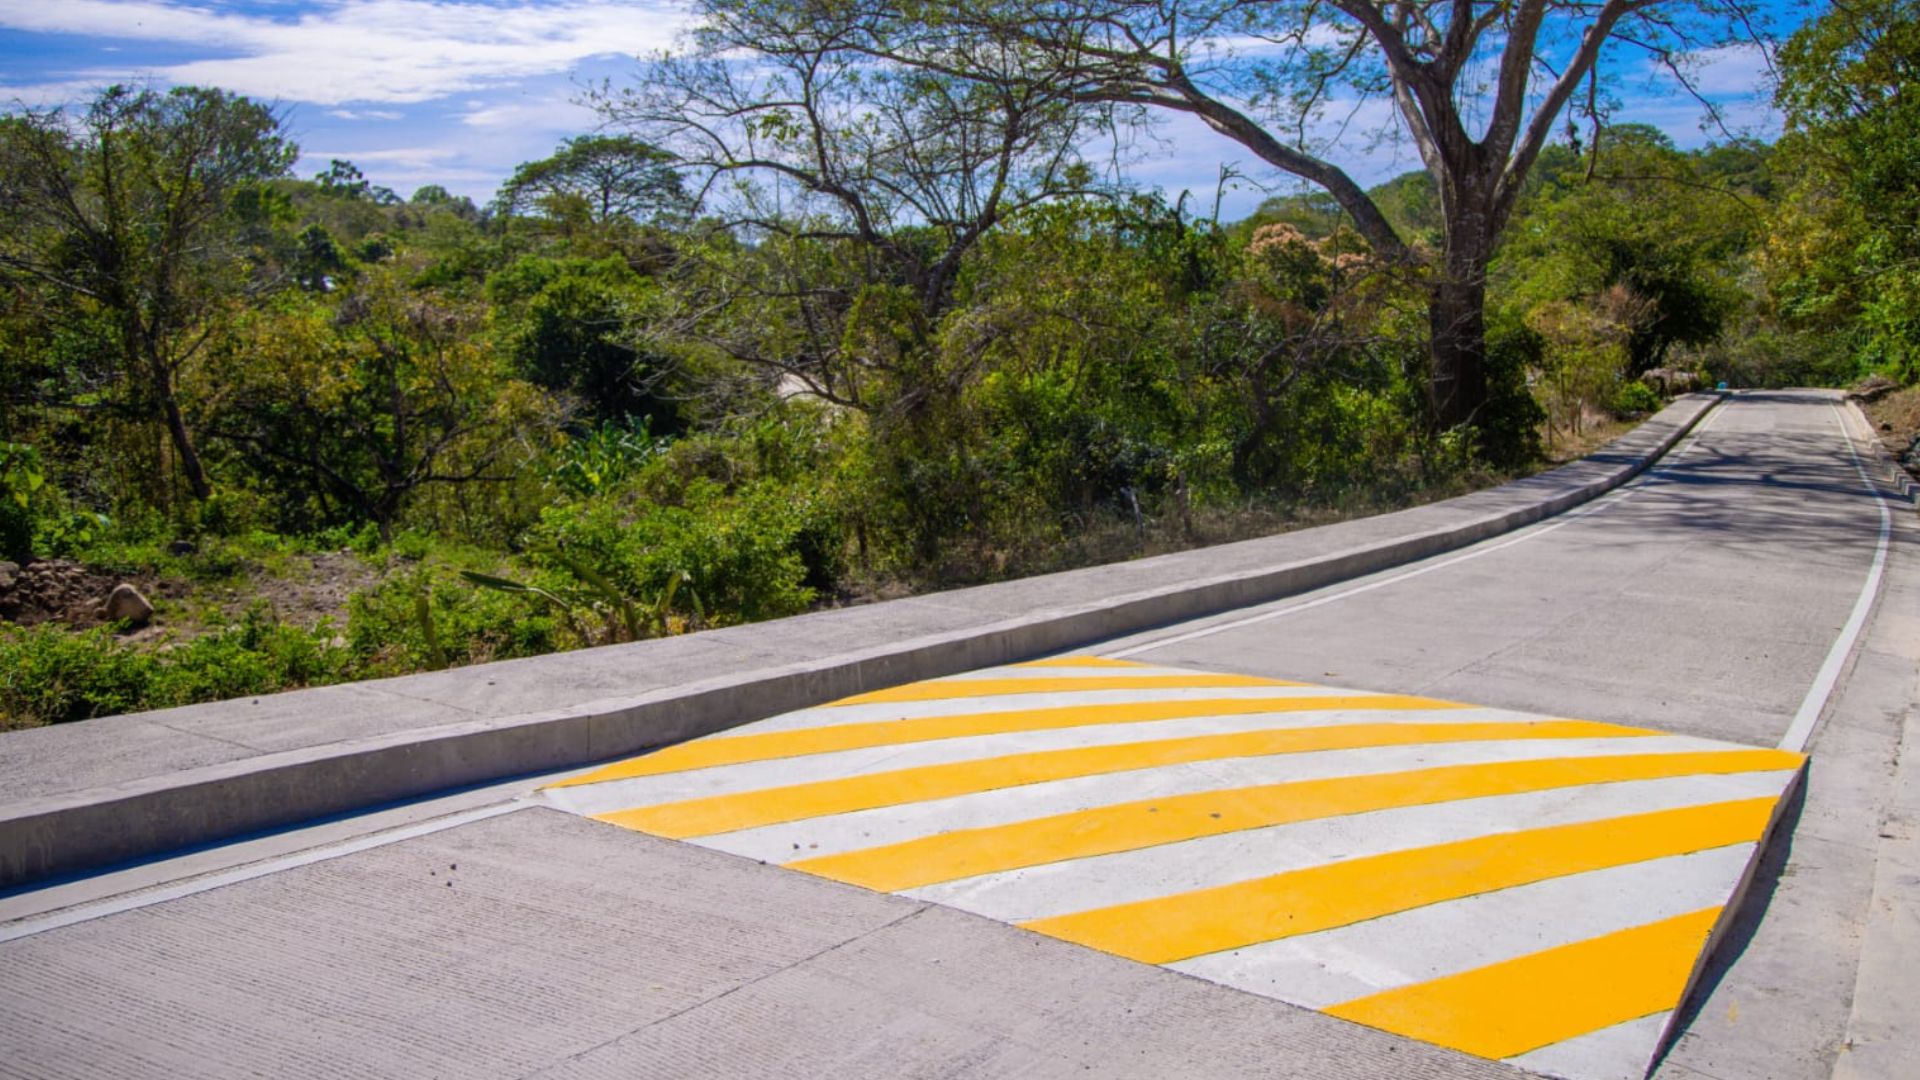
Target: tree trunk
[
  {"x": 183, "y": 448},
  {"x": 161, "y": 377},
  {"x": 1456, "y": 312}
]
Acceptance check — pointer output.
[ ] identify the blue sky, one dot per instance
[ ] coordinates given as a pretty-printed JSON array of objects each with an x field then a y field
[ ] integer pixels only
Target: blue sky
[{"x": 457, "y": 92}]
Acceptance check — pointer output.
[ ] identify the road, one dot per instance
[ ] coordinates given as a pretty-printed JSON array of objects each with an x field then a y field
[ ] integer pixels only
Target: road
[{"x": 1722, "y": 596}]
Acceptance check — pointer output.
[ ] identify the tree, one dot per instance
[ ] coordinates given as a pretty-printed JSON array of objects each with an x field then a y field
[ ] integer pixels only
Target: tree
[
  {"x": 1670, "y": 229},
  {"x": 569, "y": 326},
  {"x": 349, "y": 412},
  {"x": 859, "y": 188},
  {"x": 126, "y": 211},
  {"x": 613, "y": 176},
  {"x": 434, "y": 196},
  {"x": 1443, "y": 64},
  {"x": 1845, "y": 249},
  {"x": 344, "y": 180}
]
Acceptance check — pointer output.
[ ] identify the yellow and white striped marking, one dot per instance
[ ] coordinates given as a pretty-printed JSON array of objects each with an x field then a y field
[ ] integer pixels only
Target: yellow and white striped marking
[{"x": 1528, "y": 888}]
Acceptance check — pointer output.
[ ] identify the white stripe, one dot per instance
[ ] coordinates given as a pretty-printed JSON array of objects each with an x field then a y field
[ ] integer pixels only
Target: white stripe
[
  {"x": 1003, "y": 806},
  {"x": 1801, "y": 729},
  {"x": 828, "y": 716},
  {"x": 1125, "y": 877},
  {"x": 1621, "y": 1052},
  {"x": 1645, "y": 483},
  {"x": 1432, "y": 942},
  {"x": 840, "y": 764}
]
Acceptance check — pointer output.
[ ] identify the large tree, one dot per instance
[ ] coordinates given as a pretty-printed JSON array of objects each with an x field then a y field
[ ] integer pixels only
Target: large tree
[
  {"x": 1479, "y": 86},
  {"x": 125, "y": 210},
  {"x": 859, "y": 186},
  {"x": 610, "y": 176},
  {"x": 1845, "y": 250}
]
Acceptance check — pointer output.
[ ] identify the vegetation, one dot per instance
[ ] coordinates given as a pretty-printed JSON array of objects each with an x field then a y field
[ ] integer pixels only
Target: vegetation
[{"x": 842, "y": 325}]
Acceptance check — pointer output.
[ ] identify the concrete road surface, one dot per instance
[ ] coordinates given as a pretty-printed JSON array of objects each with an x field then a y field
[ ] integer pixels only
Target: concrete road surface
[{"x": 1725, "y": 596}]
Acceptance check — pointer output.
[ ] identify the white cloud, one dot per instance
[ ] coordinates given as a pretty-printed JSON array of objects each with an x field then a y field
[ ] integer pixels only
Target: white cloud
[
  {"x": 366, "y": 114},
  {"x": 1738, "y": 70},
  {"x": 550, "y": 113},
  {"x": 345, "y": 51},
  {"x": 412, "y": 157},
  {"x": 49, "y": 94}
]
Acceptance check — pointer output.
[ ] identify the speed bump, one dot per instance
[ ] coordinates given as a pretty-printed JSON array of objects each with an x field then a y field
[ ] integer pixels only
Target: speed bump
[{"x": 1534, "y": 889}]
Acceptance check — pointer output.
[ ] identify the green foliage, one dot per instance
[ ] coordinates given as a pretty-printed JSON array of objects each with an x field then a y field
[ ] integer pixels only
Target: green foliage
[
  {"x": 585, "y": 417},
  {"x": 1635, "y": 399},
  {"x": 603, "y": 457},
  {"x": 607, "y": 176},
  {"x": 51, "y": 675},
  {"x": 1510, "y": 440},
  {"x": 1640, "y": 221},
  {"x": 35, "y": 518},
  {"x": 22, "y": 483},
  {"x": 569, "y": 326},
  {"x": 1843, "y": 255},
  {"x": 389, "y": 633},
  {"x": 730, "y": 558},
  {"x": 127, "y": 215},
  {"x": 346, "y": 414}
]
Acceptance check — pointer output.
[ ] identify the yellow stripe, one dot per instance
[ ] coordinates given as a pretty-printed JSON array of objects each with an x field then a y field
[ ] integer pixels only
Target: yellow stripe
[
  {"x": 1547, "y": 997},
  {"x": 769, "y": 806},
  {"x": 1169, "y": 928},
  {"x": 769, "y": 745},
  {"x": 945, "y": 689},
  {"x": 965, "y": 853},
  {"x": 1080, "y": 661}
]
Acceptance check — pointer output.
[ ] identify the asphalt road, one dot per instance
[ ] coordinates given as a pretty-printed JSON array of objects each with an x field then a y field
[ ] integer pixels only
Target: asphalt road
[{"x": 511, "y": 939}]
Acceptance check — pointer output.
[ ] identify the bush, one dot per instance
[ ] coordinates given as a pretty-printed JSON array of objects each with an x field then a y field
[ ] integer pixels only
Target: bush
[
  {"x": 390, "y": 633},
  {"x": 20, "y": 482},
  {"x": 736, "y": 559},
  {"x": 49, "y": 675},
  {"x": 1635, "y": 399},
  {"x": 52, "y": 675}
]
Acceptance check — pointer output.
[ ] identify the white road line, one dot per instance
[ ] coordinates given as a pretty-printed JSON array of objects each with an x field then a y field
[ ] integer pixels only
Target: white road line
[
  {"x": 40, "y": 924},
  {"x": 1815, "y": 702},
  {"x": 1643, "y": 484}
]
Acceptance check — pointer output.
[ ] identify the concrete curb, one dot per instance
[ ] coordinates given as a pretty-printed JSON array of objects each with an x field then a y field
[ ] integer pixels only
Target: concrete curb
[{"x": 81, "y": 830}]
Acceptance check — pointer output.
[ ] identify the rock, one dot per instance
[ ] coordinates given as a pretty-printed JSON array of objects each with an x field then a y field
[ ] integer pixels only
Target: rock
[
  {"x": 125, "y": 604},
  {"x": 1670, "y": 381},
  {"x": 1873, "y": 389},
  {"x": 183, "y": 547},
  {"x": 8, "y": 572}
]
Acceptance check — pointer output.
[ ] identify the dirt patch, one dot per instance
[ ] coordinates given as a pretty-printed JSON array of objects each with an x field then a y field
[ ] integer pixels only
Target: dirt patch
[
  {"x": 305, "y": 594},
  {"x": 64, "y": 591},
  {"x": 302, "y": 591},
  {"x": 1896, "y": 419}
]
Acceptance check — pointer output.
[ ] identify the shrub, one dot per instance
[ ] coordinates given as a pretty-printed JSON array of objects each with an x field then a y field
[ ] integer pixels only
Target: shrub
[
  {"x": 429, "y": 619},
  {"x": 52, "y": 675},
  {"x": 49, "y": 675},
  {"x": 738, "y": 559},
  {"x": 1635, "y": 399}
]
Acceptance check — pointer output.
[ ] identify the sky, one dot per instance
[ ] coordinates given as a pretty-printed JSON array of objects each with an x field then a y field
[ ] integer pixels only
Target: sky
[{"x": 458, "y": 92}]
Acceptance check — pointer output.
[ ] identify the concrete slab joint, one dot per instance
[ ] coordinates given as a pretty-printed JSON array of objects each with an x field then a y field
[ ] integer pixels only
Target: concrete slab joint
[{"x": 208, "y": 773}]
